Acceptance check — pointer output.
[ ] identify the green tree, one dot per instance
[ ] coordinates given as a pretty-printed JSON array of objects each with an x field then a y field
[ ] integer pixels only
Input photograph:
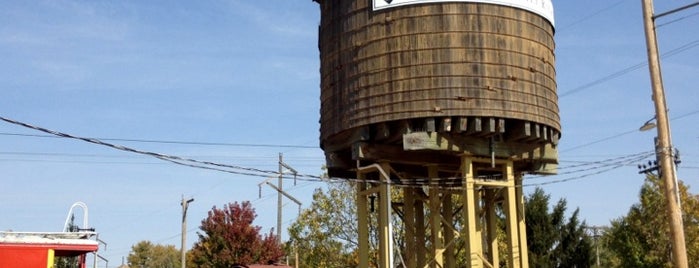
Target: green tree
[
  {"x": 641, "y": 238},
  {"x": 229, "y": 238},
  {"x": 552, "y": 240},
  {"x": 325, "y": 234},
  {"x": 147, "y": 255}
]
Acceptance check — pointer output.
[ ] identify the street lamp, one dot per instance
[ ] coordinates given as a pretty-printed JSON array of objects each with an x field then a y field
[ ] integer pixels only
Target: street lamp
[{"x": 648, "y": 125}]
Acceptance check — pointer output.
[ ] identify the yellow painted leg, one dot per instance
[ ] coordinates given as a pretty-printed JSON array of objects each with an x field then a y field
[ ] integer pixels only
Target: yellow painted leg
[
  {"x": 524, "y": 251},
  {"x": 511, "y": 223},
  {"x": 471, "y": 230}
]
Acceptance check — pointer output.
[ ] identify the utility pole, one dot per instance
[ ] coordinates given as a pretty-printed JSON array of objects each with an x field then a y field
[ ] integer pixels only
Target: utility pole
[
  {"x": 281, "y": 193},
  {"x": 596, "y": 235},
  {"x": 664, "y": 150},
  {"x": 279, "y": 200},
  {"x": 185, "y": 205}
]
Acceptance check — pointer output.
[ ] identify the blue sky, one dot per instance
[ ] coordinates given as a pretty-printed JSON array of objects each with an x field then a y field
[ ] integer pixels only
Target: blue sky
[{"x": 246, "y": 73}]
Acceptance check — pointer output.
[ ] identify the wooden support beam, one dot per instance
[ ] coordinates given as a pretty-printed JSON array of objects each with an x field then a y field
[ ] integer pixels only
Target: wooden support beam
[
  {"x": 435, "y": 220},
  {"x": 536, "y": 130},
  {"x": 500, "y": 126},
  {"x": 555, "y": 137},
  {"x": 521, "y": 131},
  {"x": 475, "y": 126},
  {"x": 471, "y": 214},
  {"x": 336, "y": 160},
  {"x": 445, "y": 124},
  {"x": 383, "y": 131},
  {"x": 523, "y": 249},
  {"x": 368, "y": 151},
  {"x": 420, "y": 229},
  {"x": 430, "y": 125},
  {"x": 461, "y": 124},
  {"x": 447, "y": 221},
  {"x": 344, "y": 141},
  {"x": 411, "y": 250},
  {"x": 545, "y": 133},
  {"x": 491, "y": 183},
  {"x": 511, "y": 222},
  {"x": 489, "y": 126},
  {"x": 491, "y": 219},
  {"x": 418, "y": 141}
]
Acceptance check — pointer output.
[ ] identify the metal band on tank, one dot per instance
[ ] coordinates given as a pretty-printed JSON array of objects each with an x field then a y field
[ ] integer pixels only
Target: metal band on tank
[{"x": 543, "y": 8}]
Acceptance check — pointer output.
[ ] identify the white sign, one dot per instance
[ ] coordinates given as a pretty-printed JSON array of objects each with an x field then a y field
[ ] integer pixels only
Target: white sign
[{"x": 543, "y": 8}]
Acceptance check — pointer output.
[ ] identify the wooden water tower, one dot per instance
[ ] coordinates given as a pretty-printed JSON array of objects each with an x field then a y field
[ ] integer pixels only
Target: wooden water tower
[{"x": 451, "y": 101}]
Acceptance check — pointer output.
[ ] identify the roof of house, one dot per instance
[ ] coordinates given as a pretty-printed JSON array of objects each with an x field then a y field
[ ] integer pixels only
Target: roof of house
[{"x": 268, "y": 266}]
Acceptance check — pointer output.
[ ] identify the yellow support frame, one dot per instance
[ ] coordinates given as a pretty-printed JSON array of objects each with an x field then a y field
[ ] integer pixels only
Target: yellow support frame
[
  {"x": 471, "y": 213},
  {"x": 383, "y": 190},
  {"x": 478, "y": 198}
]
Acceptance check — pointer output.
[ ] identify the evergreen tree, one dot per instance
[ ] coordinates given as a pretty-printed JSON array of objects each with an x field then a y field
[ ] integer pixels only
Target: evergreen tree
[{"x": 552, "y": 241}]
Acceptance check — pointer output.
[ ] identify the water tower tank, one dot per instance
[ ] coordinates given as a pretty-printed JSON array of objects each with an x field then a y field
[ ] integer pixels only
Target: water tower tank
[{"x": 421, "y": 82}]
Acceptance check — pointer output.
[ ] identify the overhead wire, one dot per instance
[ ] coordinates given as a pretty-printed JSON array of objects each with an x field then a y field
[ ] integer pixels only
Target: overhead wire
[
  {"x": 623, "y": 133},
  {"x": 77, "y": 161},
  {"x": 589, "y": 16},
  {"x": 606, "y": 163},
  {"x": 49, "y": 157},
  {"x": 677, "y": 20},
  {"x": 600, "y": 171},
  {"x": 238, "y": 170},
  {"x": 629, "y": 69},
  {"x": 176, "y": 142},
  {"x": 169, "y": 158}
]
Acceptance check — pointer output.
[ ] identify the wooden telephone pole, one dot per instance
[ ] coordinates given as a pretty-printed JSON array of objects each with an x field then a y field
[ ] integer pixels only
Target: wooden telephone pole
[
  {"x": 664, "y": 150},
  {"x": 183, "y": 251}
]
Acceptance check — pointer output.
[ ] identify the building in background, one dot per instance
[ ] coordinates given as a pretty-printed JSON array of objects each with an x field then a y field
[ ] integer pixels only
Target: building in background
[{"x": 41, "y": 250}]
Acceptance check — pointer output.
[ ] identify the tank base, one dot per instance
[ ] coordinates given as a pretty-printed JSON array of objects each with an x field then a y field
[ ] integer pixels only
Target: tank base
[{"x": 411, "y": 144}]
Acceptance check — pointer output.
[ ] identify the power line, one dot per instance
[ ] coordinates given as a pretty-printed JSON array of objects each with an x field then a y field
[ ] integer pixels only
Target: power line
[
  {"x": 628, "y": 69},
  {"x": 169, "y": 158},
  {"x": 76, "y": 162},
  {"x": 598, "y": 168},
  {"x": 54, "y": 156},
  {"x": 593, "y": 14},
  {"x": 676, "y": 20},
  {"x": 175, "y": 142},
  {"x": 624, "y": 133},
  {"x": 589, "y": 166},
  {"x": 62, "y": 154},
  {"x": 305, "y": 177}
]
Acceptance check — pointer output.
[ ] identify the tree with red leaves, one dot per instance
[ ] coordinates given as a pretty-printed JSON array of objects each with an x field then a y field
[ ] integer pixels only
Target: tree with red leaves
[{"x": 229, "y": 238}]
